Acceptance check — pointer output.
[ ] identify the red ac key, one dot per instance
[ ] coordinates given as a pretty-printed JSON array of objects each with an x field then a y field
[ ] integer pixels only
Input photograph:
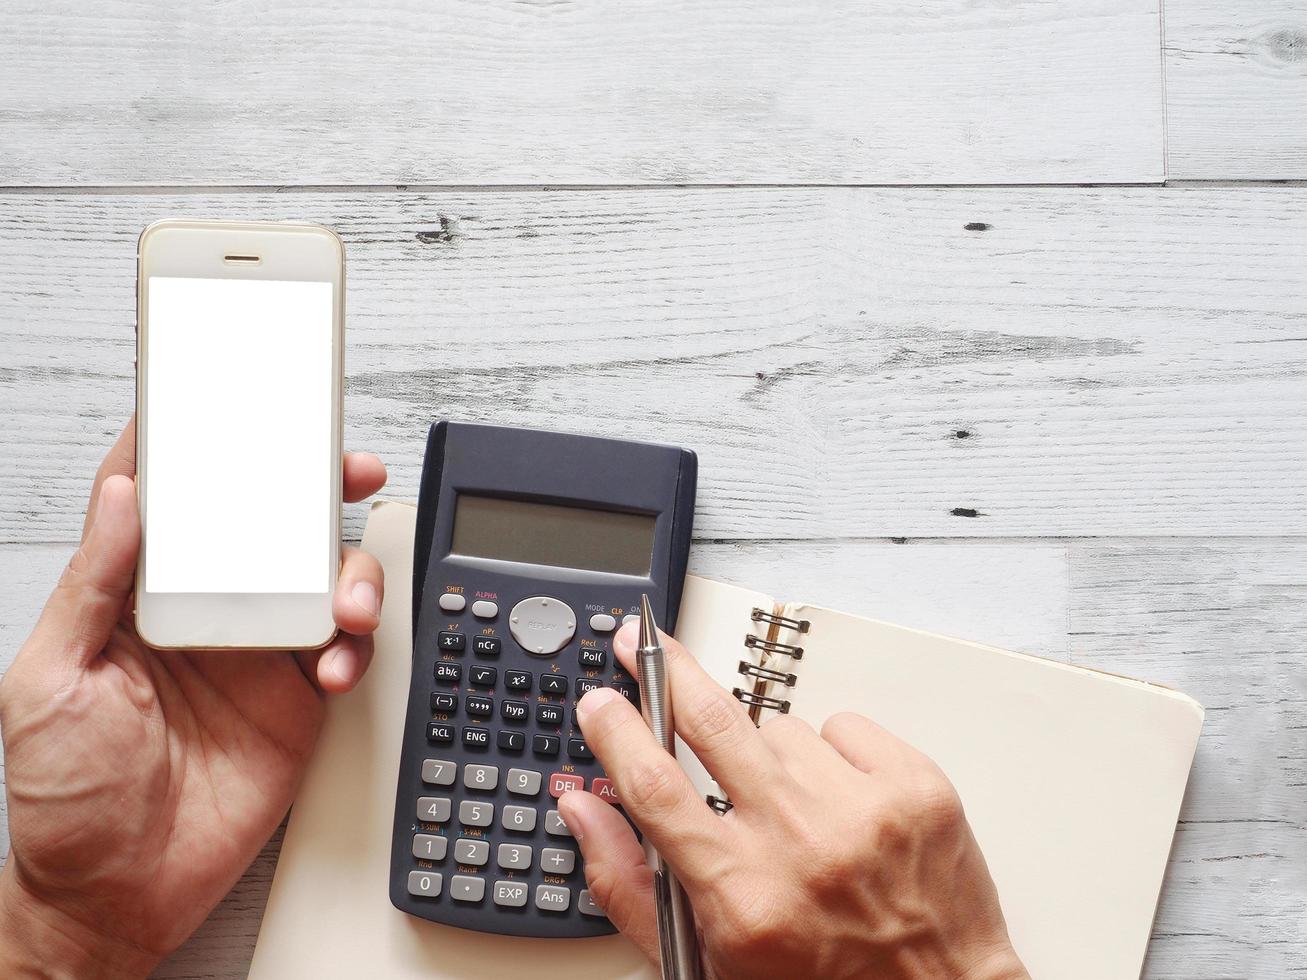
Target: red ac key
[
  {"x": 561, "y": 782},
  {"x": 605, "y": 790}
]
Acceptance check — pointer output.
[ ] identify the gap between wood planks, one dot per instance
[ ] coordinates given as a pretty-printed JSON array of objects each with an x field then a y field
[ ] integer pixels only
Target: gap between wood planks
[{"x": 194, "y": 189}]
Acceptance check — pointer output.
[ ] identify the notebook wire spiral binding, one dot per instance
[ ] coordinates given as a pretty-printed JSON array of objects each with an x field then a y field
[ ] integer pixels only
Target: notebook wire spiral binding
[{"x": 759, "y": 676}]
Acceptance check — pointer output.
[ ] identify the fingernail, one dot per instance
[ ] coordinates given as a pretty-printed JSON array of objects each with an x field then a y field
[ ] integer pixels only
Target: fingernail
[
  {"x": 628, "y": 636},
  {"x": 573, "y": 821},
  {"x": 593, "y": 701},
  {"x": 364, "y": 595},
  {"x": 345, "y": 664}
]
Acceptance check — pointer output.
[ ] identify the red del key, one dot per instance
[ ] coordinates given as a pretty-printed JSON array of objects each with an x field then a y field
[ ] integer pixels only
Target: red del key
[{"x": 561, "y": 782}]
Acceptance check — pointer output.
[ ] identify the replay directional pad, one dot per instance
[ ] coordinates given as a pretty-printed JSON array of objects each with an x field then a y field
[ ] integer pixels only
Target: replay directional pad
[{"x": 542, "y": 626}]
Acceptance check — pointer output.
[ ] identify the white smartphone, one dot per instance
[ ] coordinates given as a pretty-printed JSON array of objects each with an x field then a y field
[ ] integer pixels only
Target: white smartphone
[{"x": 239, "y": 337}]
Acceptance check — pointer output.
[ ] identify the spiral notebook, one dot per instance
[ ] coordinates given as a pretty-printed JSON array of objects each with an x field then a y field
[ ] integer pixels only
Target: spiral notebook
[{"x": 1072, "y": 780}]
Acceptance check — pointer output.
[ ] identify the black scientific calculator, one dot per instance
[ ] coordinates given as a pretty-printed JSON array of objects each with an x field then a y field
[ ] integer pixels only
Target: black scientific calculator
[{"x": 531, "y": 549}]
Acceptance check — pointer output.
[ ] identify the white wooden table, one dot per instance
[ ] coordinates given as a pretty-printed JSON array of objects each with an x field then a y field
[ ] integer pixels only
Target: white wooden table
[{"x": 989, "y": 317}]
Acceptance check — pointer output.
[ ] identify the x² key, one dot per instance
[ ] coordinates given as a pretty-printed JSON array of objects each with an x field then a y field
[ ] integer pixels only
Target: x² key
[{"x": 561, "y": 782}]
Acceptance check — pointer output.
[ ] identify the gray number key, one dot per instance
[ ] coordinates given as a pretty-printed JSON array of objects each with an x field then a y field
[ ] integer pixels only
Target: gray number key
[
  {"x": 521, "y": 818},
  {"x": 510, "y": 893},
  {"x": 468, "y": 851},
  {"x": 433, "y": 809},
  {"x": 466, "y": 888},
  {"x": 429, "y": 847},
  {"x": 553, "y": 898},
  {"x": 523, "y": 782},
  {"x": 474, "y": 814},
  {"x": 515, "y": 857},
  {"x": 424, "y": 884},
  {"x": 554, "y": 825},
  {"x": 438, "y": 772},
  {"x": 480, "y": 777},
  {"x": 557, "y": 861}
]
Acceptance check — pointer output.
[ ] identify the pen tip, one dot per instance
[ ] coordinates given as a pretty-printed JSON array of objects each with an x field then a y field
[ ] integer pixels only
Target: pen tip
[{"x": 648, "y": 627}]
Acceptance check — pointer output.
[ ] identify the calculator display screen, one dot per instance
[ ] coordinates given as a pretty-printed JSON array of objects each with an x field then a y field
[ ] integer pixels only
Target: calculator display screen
[{"x": 549, "y": 534}]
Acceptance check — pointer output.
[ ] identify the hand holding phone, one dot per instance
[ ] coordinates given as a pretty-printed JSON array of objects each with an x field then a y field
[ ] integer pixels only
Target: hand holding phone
[{"x": 141, "y": 783}]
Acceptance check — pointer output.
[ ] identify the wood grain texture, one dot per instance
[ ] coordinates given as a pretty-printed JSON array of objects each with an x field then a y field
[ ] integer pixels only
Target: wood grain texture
[
  {"x": 1099, "y": 362},
  {"x": 580, "y": 92},
  {"x": 1236, "y": 84},
  {"x": 1226, "y": 622}
]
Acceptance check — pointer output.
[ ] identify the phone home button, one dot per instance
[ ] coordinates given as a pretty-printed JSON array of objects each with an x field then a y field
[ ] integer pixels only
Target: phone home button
[{"x": 542, "y": 626}]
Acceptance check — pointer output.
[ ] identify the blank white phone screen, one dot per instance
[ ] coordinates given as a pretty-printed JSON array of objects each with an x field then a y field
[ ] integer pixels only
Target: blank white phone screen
[{"x": 238, "y": 442}]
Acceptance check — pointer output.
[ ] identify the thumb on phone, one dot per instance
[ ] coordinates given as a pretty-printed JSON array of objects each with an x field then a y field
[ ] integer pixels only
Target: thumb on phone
[{"x": 81, "y": 613}]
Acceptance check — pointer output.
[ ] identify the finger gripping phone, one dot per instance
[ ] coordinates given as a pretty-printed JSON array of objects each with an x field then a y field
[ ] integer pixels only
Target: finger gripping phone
[
  {"x": 240, "y": 330},
  {"x": 531, "y": 549}
]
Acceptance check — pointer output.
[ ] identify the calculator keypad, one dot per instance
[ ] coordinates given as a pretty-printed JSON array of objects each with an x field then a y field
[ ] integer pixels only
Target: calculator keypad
[{"x": 502, "y": 746}]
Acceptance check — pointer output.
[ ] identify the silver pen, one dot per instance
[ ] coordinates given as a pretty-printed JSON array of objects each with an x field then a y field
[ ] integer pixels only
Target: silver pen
[{"x": 678, "y": 942}]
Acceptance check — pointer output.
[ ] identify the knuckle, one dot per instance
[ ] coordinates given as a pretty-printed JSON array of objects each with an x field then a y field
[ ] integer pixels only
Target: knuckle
[
  {"x": 784, "y": 727},
  {"x": 652, "y": 787},
  {"x": 713, "y": 719},
  {"x": 936, "y": 802},
  {"x": 842, "y": 723},
  {"x": 604, "y": 885},
  {"x": 611, "y": 893},
  {"x": 77, "y": 566}
]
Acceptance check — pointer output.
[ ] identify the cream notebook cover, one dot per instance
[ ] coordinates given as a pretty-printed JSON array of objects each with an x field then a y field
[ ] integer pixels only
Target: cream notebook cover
[{"x": 1072, "y": 780}]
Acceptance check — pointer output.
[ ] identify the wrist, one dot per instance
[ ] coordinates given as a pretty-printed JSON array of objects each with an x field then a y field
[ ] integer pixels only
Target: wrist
[{"x": 41, "y": 942}]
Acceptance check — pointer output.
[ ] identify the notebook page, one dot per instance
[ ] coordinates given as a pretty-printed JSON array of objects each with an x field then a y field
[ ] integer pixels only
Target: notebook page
[
  {"x": 1072, "y": 779},
  {"x": 329, "y": 913}
]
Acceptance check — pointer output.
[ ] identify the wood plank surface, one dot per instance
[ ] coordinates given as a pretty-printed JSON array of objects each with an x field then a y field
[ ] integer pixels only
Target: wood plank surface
[
  {"x": 1099, "y": 362},
  {"x": 1224, "y": 621},
  {"x": 582, "y": 92},
  {"x": 1236, "y": 85}
]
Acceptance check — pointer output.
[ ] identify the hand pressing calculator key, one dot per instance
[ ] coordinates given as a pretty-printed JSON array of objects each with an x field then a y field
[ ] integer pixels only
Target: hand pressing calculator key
[{"x": 531, "y": 549}]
